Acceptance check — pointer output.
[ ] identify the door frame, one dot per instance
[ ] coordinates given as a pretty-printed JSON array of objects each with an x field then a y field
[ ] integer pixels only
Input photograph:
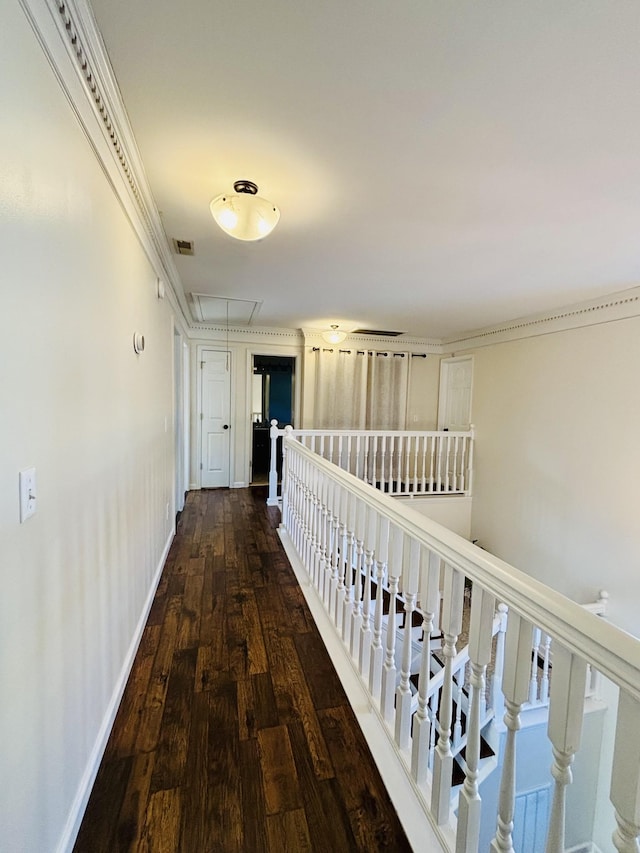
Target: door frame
[
  {"x": 181, "y": 418},
  {"x": 443, "y": 391},
  {"x": 200, "y": 349},
  {"x": 296, "y": 384}
]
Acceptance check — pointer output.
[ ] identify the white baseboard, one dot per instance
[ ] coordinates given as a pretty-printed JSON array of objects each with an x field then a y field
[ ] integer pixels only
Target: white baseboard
[{"x": 72, "y": 826}]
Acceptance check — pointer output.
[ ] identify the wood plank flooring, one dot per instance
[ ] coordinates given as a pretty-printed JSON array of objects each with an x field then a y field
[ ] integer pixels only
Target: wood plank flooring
[{"x": 234, "y": 733}]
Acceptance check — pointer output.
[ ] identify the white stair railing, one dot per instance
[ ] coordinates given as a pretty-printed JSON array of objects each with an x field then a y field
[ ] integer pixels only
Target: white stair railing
[
  {"x": 396, "y": 462},
  {"x": 331, "y": 519}
]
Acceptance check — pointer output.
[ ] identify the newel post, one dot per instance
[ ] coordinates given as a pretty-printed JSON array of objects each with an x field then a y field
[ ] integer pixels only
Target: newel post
[{"x": 272, "y": 499}]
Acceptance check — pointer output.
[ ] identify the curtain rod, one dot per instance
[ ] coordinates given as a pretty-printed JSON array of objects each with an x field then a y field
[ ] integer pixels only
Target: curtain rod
[{"x": 372, "y": 352}]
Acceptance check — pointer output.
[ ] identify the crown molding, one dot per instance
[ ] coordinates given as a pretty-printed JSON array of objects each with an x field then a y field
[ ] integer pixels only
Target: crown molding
[
  {"x": 605, "y": 309},
  {"x": 402, "y": 343},
  {"x": 69, "y": 35},
  {"x": 245, "y": 334}
]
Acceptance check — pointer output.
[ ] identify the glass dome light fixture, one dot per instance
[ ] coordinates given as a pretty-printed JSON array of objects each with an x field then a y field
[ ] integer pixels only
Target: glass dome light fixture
[
  {"x": 244, "y": 214},
  {"x": 334, "y": 335}
]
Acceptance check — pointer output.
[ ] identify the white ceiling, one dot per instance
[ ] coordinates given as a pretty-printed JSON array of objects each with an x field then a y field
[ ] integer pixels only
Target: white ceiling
[{"x": 440, "y": 165}]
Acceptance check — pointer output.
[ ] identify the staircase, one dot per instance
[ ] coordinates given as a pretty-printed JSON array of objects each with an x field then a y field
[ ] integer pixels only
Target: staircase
[{"x": 419, "y": 700}]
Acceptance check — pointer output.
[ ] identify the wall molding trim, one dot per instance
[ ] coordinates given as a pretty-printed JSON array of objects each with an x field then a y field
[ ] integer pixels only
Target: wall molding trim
[
  {"x": 244, "y": 334},
  {"x": 622, "y": 305},
  {"x": 68, "y": 33}
]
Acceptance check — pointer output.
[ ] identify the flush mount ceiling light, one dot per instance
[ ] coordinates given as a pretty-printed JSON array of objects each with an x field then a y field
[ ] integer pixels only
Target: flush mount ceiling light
[
  {"x": 244, "y": 214},
  {"x": 333, "y": 335}
]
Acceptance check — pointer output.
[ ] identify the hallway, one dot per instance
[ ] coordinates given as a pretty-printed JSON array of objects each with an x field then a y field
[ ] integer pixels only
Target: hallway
[{"x": 234, "y": 733}]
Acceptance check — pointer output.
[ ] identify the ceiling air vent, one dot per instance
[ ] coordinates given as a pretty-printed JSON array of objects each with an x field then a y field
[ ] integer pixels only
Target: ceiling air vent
[
  {"x": 183, "y": 247},
  {"x": 380, "y": 332}
]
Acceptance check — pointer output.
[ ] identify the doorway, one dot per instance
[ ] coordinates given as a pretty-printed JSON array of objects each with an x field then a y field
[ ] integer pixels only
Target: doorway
[
  {"x": 215, "y": 418},
  {"x": 456, "y": 387},
  {"x": 272, "y": 398}
]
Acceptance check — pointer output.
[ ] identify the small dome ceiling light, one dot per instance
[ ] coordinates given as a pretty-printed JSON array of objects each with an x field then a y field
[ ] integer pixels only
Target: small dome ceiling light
[
  {"x": 333, "y": 335},
  {"x": 244, "y": 214}
]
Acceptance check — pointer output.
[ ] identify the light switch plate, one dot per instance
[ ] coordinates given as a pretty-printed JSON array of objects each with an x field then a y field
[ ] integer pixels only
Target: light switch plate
[{"x": 27, "y": 493}]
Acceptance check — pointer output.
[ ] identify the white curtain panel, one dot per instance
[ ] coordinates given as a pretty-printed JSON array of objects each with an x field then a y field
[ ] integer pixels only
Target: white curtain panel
[{"x": 360, "y": 390}]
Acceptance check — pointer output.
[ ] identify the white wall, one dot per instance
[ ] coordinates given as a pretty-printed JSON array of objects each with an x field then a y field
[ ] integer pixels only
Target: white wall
[
  {"x": 89, "y": 414},
  {"x": 451, "y": 512},
  {"x": 558, "y": 460}
]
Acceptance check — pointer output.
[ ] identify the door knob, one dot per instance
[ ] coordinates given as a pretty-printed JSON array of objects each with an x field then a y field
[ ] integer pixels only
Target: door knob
[{"x": 226, "y": 426}]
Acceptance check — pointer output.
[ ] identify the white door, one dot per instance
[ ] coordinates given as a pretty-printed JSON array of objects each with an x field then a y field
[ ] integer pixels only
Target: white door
[
  {"x": 215, "y": 422},
  {"x": 456, "y": 383}
]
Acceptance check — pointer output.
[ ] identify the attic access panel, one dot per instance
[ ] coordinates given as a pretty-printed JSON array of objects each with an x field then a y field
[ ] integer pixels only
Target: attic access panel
[{"x": 221, "y": 310}]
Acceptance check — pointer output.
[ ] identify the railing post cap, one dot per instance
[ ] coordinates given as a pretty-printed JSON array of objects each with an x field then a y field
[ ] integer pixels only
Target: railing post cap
[
  {"x": 274, "y": 422},
  {"x": 288, "y": 429}
]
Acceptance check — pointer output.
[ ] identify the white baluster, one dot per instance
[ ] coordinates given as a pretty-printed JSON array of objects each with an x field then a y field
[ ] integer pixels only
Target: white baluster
[
  {"x": 364, "y": 659},
  {"x": 469, "y": 483},
  {"x": 366, "y": 474},
  {"x": 480, "y": 642},
  {"x": 389, "y": 665},
  {"x": 496, "y": 696},
  {"x": 374, "y": 466},
  {"x": 284, "y": 488},
  {"x": 392, "y": 473},
  {"x": 452, "y": 603},
  {"x": 410, "y": 573},
  {"x": 434, "y": 710},
  {"x": 458, "y": 683},
  {"x": 316, "y": 528},
  {"x": 377, "y": 651},
  {"x": 416, "y": 448},
  {"x": 318, "y": 561},
  {"x": 432, "y": 462},
  {"x": 546, "y": 660},
  {"x": 348, "y": 572},
  {"x": 383, "y": 462},
  {"x": 533, "y": 684},
  {"x": 306, "y": 517},
  {"x": 304, "y": 512},
  {"x": 625, "y": 774},
  {"x": 342, "y": 563},
  {"x": 429, "y": 593},
  {"x": 515, "y": 686},
  {"x": 407, "y": 461},
  {"x": 356, "y": 613},
  {"x": 358, "y": 460},
  {"x": 326, "y": 492},
  {"x": 566, "y": 710},
  {"x": 335, "y": 547},
  {"x": 439, "y": 451},
  {"x": 447, "y": 463},
  {"x": 454, "y": 465}
]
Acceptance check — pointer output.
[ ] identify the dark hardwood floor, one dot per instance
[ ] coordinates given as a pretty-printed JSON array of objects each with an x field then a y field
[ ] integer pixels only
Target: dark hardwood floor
[{"x": 234, "y": 733}]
